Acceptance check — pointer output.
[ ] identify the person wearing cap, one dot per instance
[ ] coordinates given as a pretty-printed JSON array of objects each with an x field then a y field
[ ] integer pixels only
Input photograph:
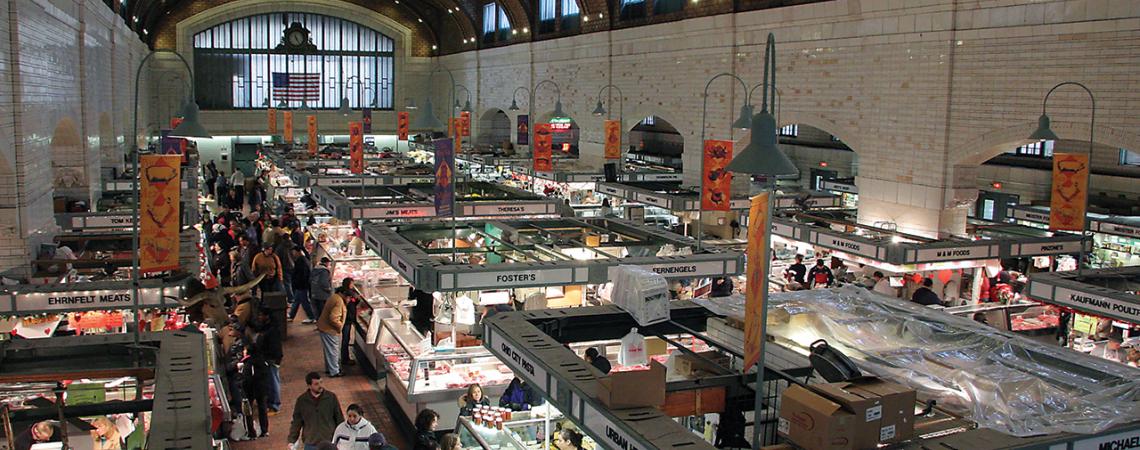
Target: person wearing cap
[
  {"x": 320, "y": 285},
  {"x": 377, "y": 441}
]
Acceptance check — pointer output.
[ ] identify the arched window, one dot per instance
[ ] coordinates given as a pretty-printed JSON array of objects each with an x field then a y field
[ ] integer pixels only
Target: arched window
[{"x": 294, "y": 59}]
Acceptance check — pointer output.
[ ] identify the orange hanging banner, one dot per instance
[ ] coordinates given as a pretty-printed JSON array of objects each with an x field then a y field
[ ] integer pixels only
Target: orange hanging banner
[
  {"x": 175, "y": 122},
  {"x": 288, "y": 126},
  {"x": 402, "y": 125},
  {"x": 313, "y": 135},
  {"x": 755, "y": 296},
  {"x": 465, "y": 123},
  {"x": 613, "y": 139},
  {"x": 1070, "y": 192},
  {"x": 457, "y": 132},
  {"x": 272, "y": 121},
  {"x": 160, "y": 186},
  {"x": 717, "y": 194},
  {"x": 451, "y": 126},
  {"x": 356, "y": 147},
  {"x": 543, "y": 153}
]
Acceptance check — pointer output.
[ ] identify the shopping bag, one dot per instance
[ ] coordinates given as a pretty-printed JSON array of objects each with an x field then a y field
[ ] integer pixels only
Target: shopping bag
[{"x": 633, "y": 350}]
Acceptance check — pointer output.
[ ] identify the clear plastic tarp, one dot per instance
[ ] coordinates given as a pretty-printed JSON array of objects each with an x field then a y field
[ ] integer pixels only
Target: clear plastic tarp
[{"x": 1001, "y": 381}]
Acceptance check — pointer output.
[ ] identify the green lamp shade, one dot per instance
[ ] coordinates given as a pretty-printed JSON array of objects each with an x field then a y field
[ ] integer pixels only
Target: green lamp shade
[
  {"x": 744, "y": 122},
  {"x": 599, "y": 110},
  {"x": 762, "y": 156},
  {"x": 467, "y": 106},
  {"x": 411, "y": 104},
  {"x": 190, "y": 126},
  {"x": 427, "y": 120},
  {"x": 344, "y": 109},
  {"x": 514, "y": 105},
  {"x": 1043, "y": 132},
  {"x": 282, "y": 105}
]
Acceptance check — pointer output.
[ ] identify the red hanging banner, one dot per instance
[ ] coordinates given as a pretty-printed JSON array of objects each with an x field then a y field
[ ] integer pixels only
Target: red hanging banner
[
  {"x": 543, "y": 153},
  {"x": 175, "y": 122},
  {"x": 356, "y": 147},
  {"x": 159, "y": 212},
  {"x": 613, "y": 139},
  {"x": 1070, "y": 191},
  {"x": 717, "y": 194},
  {"x": 465, "y": 123},
  {"x": 313, "y": 135},
  {"x": 272, "y": 119},
  {"x": 288, "y": 126},
  {"x": 402, "y": 125}
]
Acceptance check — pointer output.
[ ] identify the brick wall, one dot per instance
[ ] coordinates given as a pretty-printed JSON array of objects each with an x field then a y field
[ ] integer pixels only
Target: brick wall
[{"x": 923, "y": 91}]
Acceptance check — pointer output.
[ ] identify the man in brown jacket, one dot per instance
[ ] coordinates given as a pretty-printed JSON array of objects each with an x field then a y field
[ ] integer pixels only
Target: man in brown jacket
[
  {"x": 330, "y": 324},
  {"x": 267, "y": 263},
  {"x": 315, "y": 415}
]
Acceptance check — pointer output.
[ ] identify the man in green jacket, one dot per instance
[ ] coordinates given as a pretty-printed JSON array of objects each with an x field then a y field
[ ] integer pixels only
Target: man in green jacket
[{"x": 315, "y": 415}]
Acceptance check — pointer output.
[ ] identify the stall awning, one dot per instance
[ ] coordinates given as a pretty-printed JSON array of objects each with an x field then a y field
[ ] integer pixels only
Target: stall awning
[
  {"x": 99, "y": 295},
  {"x": 473, "y": 199},
  {"x": 674, "y": 197},
  {"x": 1100, "y": 223},
  {"x": 1088, "y": 293}
]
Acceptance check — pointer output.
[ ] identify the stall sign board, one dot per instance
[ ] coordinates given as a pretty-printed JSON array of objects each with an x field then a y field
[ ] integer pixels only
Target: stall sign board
[
  {"x": 838, "y": 187},
  {"x": 1046, "y": 248},
  {"x": 609, "y": 190},
  {"x": 1031, "y": 216},
  {"x": 740, "y": 203},
  {"x": 658, "y": 176},
  {"x": 519, "y": 361},
  {"x": 339, "y": 181},
  {"x": 783, "y": 230},
  {"x": 651, "y": 199},
  {"x": 405, "y": 269},
  {"x": 846, "y": 245},
  {"x": 394, "y": 212},
  {"x": 1122, "y": 440},
  {"x": 606, "y": 432},
  {"x": 1117, "y": 229},
  {"x": 686, "y": 269},
  {"x": 954, "y": 253},
  {"x": 83, "y": 222},
  {"x": 585, "y": 178},
  {"x": 479, "y": 280},
  {"x": 499, "y": 209},
  {"x": 1097, "y": 304},
  {"x": 100, "y": 299}
]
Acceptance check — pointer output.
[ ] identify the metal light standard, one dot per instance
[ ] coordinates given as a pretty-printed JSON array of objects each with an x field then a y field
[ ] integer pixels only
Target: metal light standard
[
  {"x": 1044, "y": 133},
  {"x": 345, "y": 110},
  {"x": 466, "y": 105},
  {"x": 743, "y": 122},
  {"x": 599, "y": 111},
  {"x": 189, "y": 128},
  {"x": 429, "y": 121}
]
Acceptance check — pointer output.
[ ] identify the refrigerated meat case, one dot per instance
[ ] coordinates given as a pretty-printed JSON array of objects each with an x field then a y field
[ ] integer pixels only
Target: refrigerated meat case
[
  {"x": 527, "y": 430},
  {"x": 1104, "y": 307},
  {"x": 1116, "y": 239}
]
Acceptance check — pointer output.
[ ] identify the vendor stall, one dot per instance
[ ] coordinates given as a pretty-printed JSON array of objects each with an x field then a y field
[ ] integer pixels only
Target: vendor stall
[
  {"x": 1116, "y": 239},
  {"x": 1103, "y": 309},
  {"x": 414, "y": 201},
  {"x": 518, "y": 264},
  {"x": 845, "y": 188}
]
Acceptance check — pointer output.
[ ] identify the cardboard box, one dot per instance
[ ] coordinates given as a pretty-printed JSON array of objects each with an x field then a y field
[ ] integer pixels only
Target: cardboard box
[
  {"x": 884, "y": 410},
  {"x": 687, "y": 365},
  {"x": 814, "y": 422},
  {"x": 655, "y": 346},
  {"x": 638, "y": 389}
]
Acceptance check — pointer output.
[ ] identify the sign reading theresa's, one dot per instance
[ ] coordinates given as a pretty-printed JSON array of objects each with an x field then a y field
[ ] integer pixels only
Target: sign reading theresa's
[
  {"x": 847, "y": 245},
  {"x": 954, "y": 254},
  {"x": 608, "y": 434},
  {"x": 1098, "y": 304},
  {"x": 101, "y": 299},
  {"x": 500, "y": 209},
  {"x": 688, "y": 269},
  {"x": 509, "y": 354}
]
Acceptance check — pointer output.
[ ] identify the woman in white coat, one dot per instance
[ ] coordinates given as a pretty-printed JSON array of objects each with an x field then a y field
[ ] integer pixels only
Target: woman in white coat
[{"x": 353, "y": 433}]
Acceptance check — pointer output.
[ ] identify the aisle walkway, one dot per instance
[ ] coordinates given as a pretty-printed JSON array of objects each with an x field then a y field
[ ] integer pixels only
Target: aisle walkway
[{"x": 303, "y": 355}]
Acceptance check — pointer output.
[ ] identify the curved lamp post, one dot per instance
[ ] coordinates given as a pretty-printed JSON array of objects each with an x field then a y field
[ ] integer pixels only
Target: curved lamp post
[
  {"x": 345, "y": 110},
  {"x": 189, "y": 128},
  {"x": 600, "y": 111},
  {"x": 741, "y": 122},
  {"x": 467, "y": 105},
  {"x": 1044, "y": 133},
  {"x": 514, "y": 98},
  {"x": 530, "y": 108}
]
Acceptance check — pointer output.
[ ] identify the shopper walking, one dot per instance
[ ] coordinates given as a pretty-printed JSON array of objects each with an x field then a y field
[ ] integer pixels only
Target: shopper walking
[
  {"x": 820, "y": 275},
  {"x": 256, "y": 384},
  {"x": 267, "y": 339},
  {"x": 301, "y": 282},
  {"x": 426, "y": 423},
  {"x": 378, "y": 442},
  {"x": 237, "y": 183},
  {"x": 316, "y": 415},
  {"x": 267, "y": 263},
  {"x": 221, "y": 188},
  {"x": 352, "y": 299},
  {"x": 320, "y": 285},
  {"x": 798, "y": 271},
  {"x": 283, "y": 249},
  {"x": 355, "y": 431},
  {"x": 883, "y": 285},
  {"x": 925, "y": 295},
  {"x": 330, "y": 325}
]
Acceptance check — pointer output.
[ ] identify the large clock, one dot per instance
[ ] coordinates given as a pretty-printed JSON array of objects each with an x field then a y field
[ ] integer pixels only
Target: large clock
[{"x": 295, "y": 39}]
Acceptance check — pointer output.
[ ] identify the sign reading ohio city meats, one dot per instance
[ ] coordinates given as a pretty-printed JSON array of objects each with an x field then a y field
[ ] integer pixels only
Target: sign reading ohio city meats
[
  {"x": 1098, "y": 304},
  {"x": 472, "y": 280},
  {"x": 98, "y": 299}
]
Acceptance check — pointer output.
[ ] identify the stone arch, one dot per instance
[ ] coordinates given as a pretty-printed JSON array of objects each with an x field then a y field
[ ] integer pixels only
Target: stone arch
[
  {"x": 575, "y": 137},
  {"x": 657, "y": 142},
  {"x": 493, "y": 127},
  {"x": 68, "y": 156},
  {"x": 995, "y": 142}
]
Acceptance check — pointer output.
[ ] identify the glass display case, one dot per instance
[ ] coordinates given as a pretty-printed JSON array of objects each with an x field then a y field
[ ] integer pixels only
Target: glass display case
[
  {"x": 420, "y": 376},
  {"x": 527, "y": 430}
]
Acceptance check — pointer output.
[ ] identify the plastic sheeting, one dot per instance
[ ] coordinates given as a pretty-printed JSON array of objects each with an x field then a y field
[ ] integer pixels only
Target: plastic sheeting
[{"x": 1001, "y": 381}]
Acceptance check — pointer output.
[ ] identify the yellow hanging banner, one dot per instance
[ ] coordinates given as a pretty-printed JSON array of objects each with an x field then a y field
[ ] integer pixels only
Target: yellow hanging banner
[
  {"x": 272, "y": 122},
  {"x": 312, "y": 135},
  {"x": 1070, "y": 191},
  {"x": 288, "y": 126},
  {"x": 755, "y": 296},
  {"x": 160, "y": 187},
  {"x": 613, "y": 139}
]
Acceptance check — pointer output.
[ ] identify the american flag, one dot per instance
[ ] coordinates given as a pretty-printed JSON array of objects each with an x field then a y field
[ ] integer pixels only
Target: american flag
[{"x": 296, "y": 86}]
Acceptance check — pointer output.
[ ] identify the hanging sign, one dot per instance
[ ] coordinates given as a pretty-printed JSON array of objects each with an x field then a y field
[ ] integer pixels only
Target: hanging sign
[
  {"x": 312, "y": 135},
  {"x": 523, "y": 129},
  {"x": 272, "y": 119},
  {"x": 613, "y": 139},
  {"x": 1031, "y": 216},
  {"x": 465, "y": 123},
  {"x": 366, "y": 120},
  {"x": 173, "y": 146},
  {"x": 955, "y": 253},
  {"x": 458, "y": 128},
  {"x": 606, "y": 432},
  {"x": 402, "y": 125},
  {"x": 543, "y": 154},
  {"x": 288, "y": 126},
  {"x": 846, "y": 245},
  {"x": 444, "y": 171},
  {"x": 355, "y": 148},
  {"x": 159, "y": 208},
  {"x": 1097, "y": 304},
  {"x": 1070, "y": 191},
  {"x": 756, "y": 268},
  {"x": 523, "y": 365},
  {"x": 717, "y": 183}
]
